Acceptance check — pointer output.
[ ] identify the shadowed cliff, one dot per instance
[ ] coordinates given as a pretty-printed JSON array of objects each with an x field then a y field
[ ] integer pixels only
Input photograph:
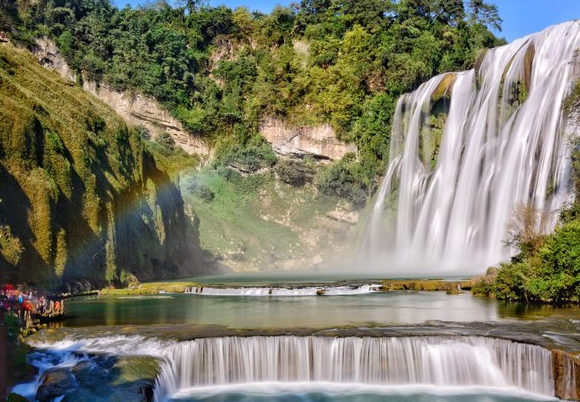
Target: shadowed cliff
[{"x": 83, "y": 201}]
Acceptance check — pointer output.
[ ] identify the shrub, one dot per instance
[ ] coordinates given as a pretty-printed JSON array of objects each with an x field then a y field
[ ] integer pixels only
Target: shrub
[
  {"x": 294, "y": 172},
  {"x": 247, "y": 156},
  {"x": 165, "y": 140},
  {"x": 202, "y": 191},
  {"x": 345, "y": 179},
  {"x": 143, "y": 132}
]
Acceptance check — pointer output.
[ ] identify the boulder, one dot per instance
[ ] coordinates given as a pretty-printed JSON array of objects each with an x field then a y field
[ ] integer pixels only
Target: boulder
[{"x": 54, "y": 383}]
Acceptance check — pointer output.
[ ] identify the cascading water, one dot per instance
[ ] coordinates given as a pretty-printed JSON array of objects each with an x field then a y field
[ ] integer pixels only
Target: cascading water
[
  {"x": 468, "y": 148},
  {"x": 459, "y": 361},
  {"x": 284, "y": 291}
]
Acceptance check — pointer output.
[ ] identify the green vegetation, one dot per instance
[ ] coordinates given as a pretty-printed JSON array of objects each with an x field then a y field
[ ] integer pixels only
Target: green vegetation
[
  {"x": 345, "y": 179},
  {"x": 84, "y": 199},
  {"x": 150, "y": 288},
  {"x": 221, "y": 72}
]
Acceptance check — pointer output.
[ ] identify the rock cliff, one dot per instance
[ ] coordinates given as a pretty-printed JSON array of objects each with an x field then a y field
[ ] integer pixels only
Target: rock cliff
[
  {"x": 83, "y": 201},
  {"x": 319, "y": 142}
]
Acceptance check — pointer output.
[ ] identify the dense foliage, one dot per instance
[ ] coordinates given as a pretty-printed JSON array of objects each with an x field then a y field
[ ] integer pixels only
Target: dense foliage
[{"x": 222, "y": 71}]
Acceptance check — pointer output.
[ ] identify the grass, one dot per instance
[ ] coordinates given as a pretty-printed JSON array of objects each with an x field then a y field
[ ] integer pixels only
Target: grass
[{"x": 150, "y": 288}]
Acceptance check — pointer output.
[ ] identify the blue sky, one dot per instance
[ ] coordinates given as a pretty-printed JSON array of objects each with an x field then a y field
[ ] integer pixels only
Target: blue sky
[{"x": 520, "y": 17}]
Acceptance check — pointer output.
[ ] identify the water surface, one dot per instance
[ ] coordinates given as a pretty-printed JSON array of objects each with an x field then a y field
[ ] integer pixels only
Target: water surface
[{"x": 400, "y": 307}]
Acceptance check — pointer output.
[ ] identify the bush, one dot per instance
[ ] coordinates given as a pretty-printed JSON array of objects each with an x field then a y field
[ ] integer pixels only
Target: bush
[
  {"x": 344, "y": 179},
  {"x": 247, "y": 156},
  {"x": 202, "y": 191},
  {"x": 294, "y": 172},
  {"x": 143, "y": 132},
  {"x": 165, "y": 140}
]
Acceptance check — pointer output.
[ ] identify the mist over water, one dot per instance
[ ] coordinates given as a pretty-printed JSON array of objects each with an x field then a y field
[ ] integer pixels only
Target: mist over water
[{"x": 448, "y": 196}]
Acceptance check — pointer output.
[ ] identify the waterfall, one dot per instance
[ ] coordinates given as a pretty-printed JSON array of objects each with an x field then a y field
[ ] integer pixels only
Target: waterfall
[
  {"x": 441, "y": 361},
  {"x": 467, "y": 148}
]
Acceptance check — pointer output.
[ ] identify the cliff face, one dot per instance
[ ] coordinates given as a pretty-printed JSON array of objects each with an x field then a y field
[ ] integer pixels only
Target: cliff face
[
  {"x": 83, "y": 201},
  {"x": 319, "y": 142},
  {"x": 133, "y": 107}
]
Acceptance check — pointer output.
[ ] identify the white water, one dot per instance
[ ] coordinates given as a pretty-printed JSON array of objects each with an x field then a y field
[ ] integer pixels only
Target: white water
[
  {"x": 494, "y": 154},
  {"x": 441, "y": 362},
  {"x": 285, "y": 291}
]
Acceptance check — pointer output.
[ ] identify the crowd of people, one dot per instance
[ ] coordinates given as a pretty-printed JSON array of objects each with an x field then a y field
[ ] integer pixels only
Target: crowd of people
[{"x": 29, "y": 303}]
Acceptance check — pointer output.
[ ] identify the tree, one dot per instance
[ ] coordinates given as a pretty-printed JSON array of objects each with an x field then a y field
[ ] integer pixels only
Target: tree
[
  {"x": 485, "y": 14},
  {"x": 526, "y": 229},
  {"x": 191, "y": 6}
]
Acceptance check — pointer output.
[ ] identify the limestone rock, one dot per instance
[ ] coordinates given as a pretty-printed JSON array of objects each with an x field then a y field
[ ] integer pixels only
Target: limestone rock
[{"x": 319, "y": 141}]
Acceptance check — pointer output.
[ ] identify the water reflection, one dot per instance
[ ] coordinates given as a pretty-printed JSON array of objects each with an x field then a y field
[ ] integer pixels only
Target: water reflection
[{"x": 401, "y": 307}]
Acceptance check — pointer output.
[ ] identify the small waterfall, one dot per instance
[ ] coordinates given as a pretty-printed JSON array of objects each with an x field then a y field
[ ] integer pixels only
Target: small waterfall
[
  {"x": 467, "y": 148},
  {"x": 453, "y": 361},
  {"x": 285, "y": 291}
]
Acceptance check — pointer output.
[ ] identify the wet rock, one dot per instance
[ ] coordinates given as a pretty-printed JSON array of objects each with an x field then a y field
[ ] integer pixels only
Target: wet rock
[
  {"x": 566, "y": 375},
  {"x": 54, "y": 383},
  {"x": 16, "y": 398},
  {"x": 114, "y": 378}
]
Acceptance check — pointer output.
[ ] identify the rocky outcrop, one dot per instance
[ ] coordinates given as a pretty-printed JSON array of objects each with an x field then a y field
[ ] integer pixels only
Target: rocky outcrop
[
  {"x": 134, "y": 107},
  {"x": 138, "y": 109},
  {"x": 319, "y": 141},
  {"x": 102, "y": 378},
  {"x": 566, "y": 376}
]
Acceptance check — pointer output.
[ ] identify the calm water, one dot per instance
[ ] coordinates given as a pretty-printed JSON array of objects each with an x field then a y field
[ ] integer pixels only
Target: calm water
[
  {"x": 281, "y": 312},
  {"x": 400, "y": 307}
]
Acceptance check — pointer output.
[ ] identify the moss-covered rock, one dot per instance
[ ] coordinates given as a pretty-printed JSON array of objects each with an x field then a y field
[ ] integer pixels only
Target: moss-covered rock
[
  {"x": 443, "y": 90},
  {"x": 83, "y": 199}
]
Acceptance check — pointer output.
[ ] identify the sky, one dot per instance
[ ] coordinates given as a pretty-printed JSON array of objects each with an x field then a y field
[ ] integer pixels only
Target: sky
[{"x": 520, "y": 17}]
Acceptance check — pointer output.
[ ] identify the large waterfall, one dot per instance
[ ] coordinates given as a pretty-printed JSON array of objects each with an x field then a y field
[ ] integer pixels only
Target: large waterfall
[
  {"x": 467, "y": 148},
  {"x": 452, "y": 361}
]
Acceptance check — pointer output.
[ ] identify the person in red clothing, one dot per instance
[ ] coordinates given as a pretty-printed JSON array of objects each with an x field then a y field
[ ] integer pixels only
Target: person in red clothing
[{"x": 27, "y": 305}]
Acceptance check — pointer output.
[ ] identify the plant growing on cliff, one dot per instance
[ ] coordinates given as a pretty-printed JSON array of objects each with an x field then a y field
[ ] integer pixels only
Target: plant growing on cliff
[
  {"x": 295, "y": 172},
  {"x": 10, "y": 247},
  {"x": 344, "y": 178}
]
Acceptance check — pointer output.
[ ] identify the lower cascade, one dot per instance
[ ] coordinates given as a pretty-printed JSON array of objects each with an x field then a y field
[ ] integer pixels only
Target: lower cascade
[{"x": 439, "y": 361}]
